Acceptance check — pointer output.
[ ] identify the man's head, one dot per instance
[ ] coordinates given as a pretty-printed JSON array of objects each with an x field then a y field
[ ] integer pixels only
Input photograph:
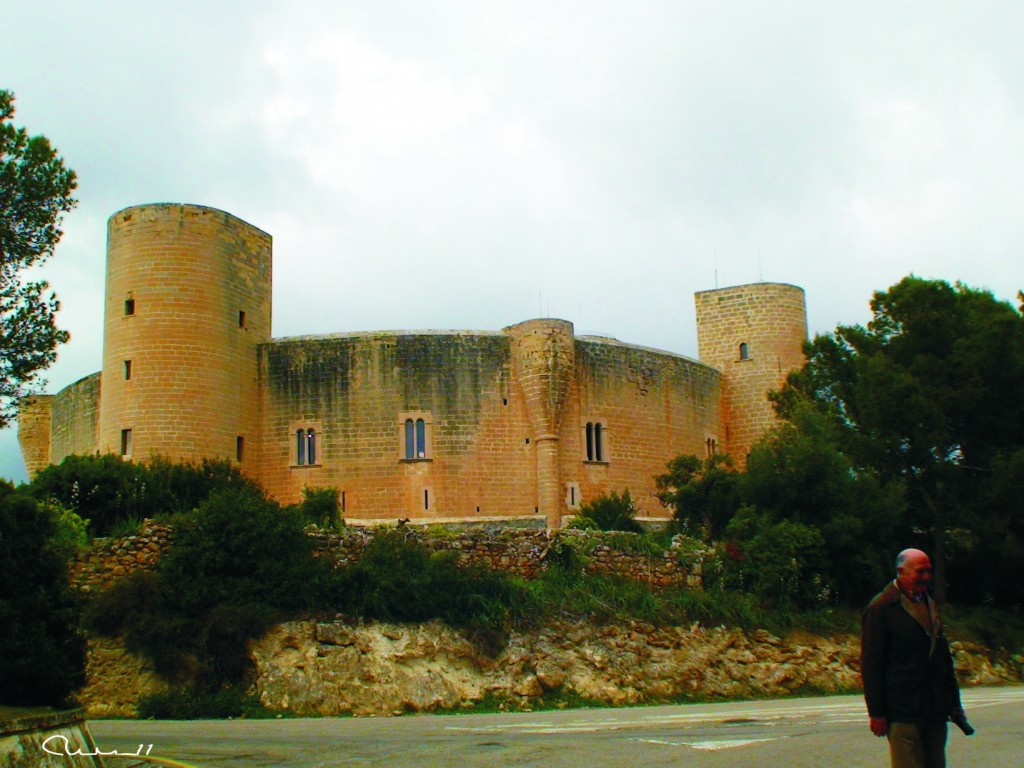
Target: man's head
[{"x": 913, "y": 571}]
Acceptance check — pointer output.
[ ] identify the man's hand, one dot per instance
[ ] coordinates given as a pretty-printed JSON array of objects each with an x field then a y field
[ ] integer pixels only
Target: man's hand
[{"x": 879, "y": 726}]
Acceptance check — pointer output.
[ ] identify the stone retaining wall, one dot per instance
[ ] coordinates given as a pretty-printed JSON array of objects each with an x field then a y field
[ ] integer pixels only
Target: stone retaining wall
[
  {"x": 522, "y": 552},
  {"x": 30, "y": 741}
]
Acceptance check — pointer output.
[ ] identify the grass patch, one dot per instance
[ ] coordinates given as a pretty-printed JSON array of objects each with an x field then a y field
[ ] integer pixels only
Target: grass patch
[{"x": 185, "y": 704}]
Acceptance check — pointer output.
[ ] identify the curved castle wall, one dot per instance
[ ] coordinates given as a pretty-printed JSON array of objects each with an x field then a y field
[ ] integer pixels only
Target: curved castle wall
[{"x": 188, "y": 302}]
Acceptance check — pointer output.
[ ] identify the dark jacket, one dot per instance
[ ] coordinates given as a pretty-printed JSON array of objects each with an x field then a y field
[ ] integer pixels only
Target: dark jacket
[{"x": 907, "y": 674}]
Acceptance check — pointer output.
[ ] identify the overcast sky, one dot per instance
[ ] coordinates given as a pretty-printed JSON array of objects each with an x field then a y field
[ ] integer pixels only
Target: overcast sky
[{"x": 461, "y": 164}]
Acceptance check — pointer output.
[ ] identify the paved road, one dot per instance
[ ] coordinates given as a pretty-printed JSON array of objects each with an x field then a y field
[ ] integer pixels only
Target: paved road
[{"x": 790, "y": 733}]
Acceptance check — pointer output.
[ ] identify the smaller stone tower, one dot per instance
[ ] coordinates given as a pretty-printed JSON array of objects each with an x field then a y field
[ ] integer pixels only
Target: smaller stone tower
[
  {"x": 188, "y": 302},
  {"x": 754, "y": 335},
  {"x": 544, "y": 360}
]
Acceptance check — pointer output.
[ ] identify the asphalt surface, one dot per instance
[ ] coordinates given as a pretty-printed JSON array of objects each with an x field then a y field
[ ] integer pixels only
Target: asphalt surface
[{"x": 791, "y": 733}]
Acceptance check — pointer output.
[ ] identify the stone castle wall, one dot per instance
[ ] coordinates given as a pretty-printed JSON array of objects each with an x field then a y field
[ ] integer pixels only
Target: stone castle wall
[
  {"x": 75, "y": 419},
  {"x": 506, "y": 424},
  {"x": 528, "y": 422}
]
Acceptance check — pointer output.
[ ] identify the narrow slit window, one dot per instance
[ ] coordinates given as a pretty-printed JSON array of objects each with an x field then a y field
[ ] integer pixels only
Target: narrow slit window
[
  {"x": 426, "y": 499},
  {"x": 241, "y": 318},
  {"x": 129, "y": 307},
  {"x": 300, "y": 447},
  {"x": 127, "y": 369},
  {"x": 126, "y": 443},
  {"x": 239, "y": 448}
]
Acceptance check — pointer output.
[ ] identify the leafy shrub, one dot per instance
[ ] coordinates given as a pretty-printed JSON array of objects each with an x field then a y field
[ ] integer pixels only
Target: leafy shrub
[
  {"x": 779, "y": 561},
  {"x": 70, "y": 534},
  {"x": 42, "y": 653},
  {"x": 112, "y": 493},
  {"x": 321, "y": 507},
  {"x": 611, "y": 513},
  {"x": 398, "y": 579},
  {"x": 237, "y": 564},
  {"x": 100, "y": 489},
  {"x": 187, "y": 704}
]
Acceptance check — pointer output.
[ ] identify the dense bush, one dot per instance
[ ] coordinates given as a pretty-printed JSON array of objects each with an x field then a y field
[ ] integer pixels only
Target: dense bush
[
  {"x": 42, "y": 652},
  {"x": 398, "y": 579},
  {"x": 237, "y": 564},
  {"x": 321, "y": 507},
  {"x": 107, "y": 491},
  {"x": 610, "y": 512}
]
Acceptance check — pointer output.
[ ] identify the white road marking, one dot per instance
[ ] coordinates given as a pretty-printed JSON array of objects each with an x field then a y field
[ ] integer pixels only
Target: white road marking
[
  {"x": 712, "y": 745},
  {"x": 760, "y": 714}
]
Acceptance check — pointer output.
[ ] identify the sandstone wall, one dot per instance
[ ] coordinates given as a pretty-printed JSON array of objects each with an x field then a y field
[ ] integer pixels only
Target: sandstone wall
[
  {"x": 75, "y": 419},
  {"x": 505, "y": 417}
]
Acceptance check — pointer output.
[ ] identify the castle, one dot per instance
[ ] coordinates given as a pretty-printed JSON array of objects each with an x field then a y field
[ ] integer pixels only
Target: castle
[{"x": 526, "y": 422}]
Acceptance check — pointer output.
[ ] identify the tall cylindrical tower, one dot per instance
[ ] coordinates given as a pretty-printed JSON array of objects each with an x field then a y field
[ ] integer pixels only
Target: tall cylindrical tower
[
  {"x": 754, "y": 335},
  {"x": 188, "y": 302},
  {"x": 544, "y": 359}
]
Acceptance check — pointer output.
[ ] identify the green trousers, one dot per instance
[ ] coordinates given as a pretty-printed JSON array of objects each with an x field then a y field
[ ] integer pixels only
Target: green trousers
[{"x": 917, "y": 745}]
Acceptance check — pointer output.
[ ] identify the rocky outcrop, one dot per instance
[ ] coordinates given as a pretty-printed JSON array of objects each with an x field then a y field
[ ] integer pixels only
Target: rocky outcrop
[
  {"x": 332, "y": 668},
  {"x": 116, "y": 680},
  {"x": 339, "y": 667}
]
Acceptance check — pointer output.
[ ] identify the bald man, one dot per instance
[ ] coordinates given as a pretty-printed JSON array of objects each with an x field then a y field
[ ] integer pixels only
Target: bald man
[{"x": 909, "y": 683}]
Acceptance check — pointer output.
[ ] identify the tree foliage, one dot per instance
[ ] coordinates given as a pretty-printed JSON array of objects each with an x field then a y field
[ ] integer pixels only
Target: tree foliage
[
  {"x": 42, "y": 652},
  {"x": 703, "y": 494},
  {"x": 105, "y": 490},
  {"x": 35, "y": 192},
  {"x": 930, "y": 396}
]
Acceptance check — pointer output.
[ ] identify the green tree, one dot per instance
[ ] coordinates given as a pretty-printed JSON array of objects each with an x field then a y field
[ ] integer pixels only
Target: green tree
[
  {"x": 703, "y": 494},
  {"x": 798, "y": 476},
  {"x": 35, "y": 191},
  {"x": 42, "y": 652},
  {"x": 930, "y": 395}
]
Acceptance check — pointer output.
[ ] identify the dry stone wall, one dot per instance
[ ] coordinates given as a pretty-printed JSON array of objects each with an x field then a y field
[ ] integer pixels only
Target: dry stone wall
[{"x": 521, "y": 552}]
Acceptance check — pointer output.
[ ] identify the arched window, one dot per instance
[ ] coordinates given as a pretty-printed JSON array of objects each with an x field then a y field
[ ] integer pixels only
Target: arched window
[
  {"x": 744, "y": 351},
  {"x": 305, "y": 447},
  {"x": 415, "y": 439},
  {"x": 311, "y": 446}
]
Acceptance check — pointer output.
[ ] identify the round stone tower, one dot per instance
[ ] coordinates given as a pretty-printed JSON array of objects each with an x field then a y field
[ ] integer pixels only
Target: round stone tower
[
  {"x": 188, "y": 302},
  {"x": 754, "y": 335}
]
